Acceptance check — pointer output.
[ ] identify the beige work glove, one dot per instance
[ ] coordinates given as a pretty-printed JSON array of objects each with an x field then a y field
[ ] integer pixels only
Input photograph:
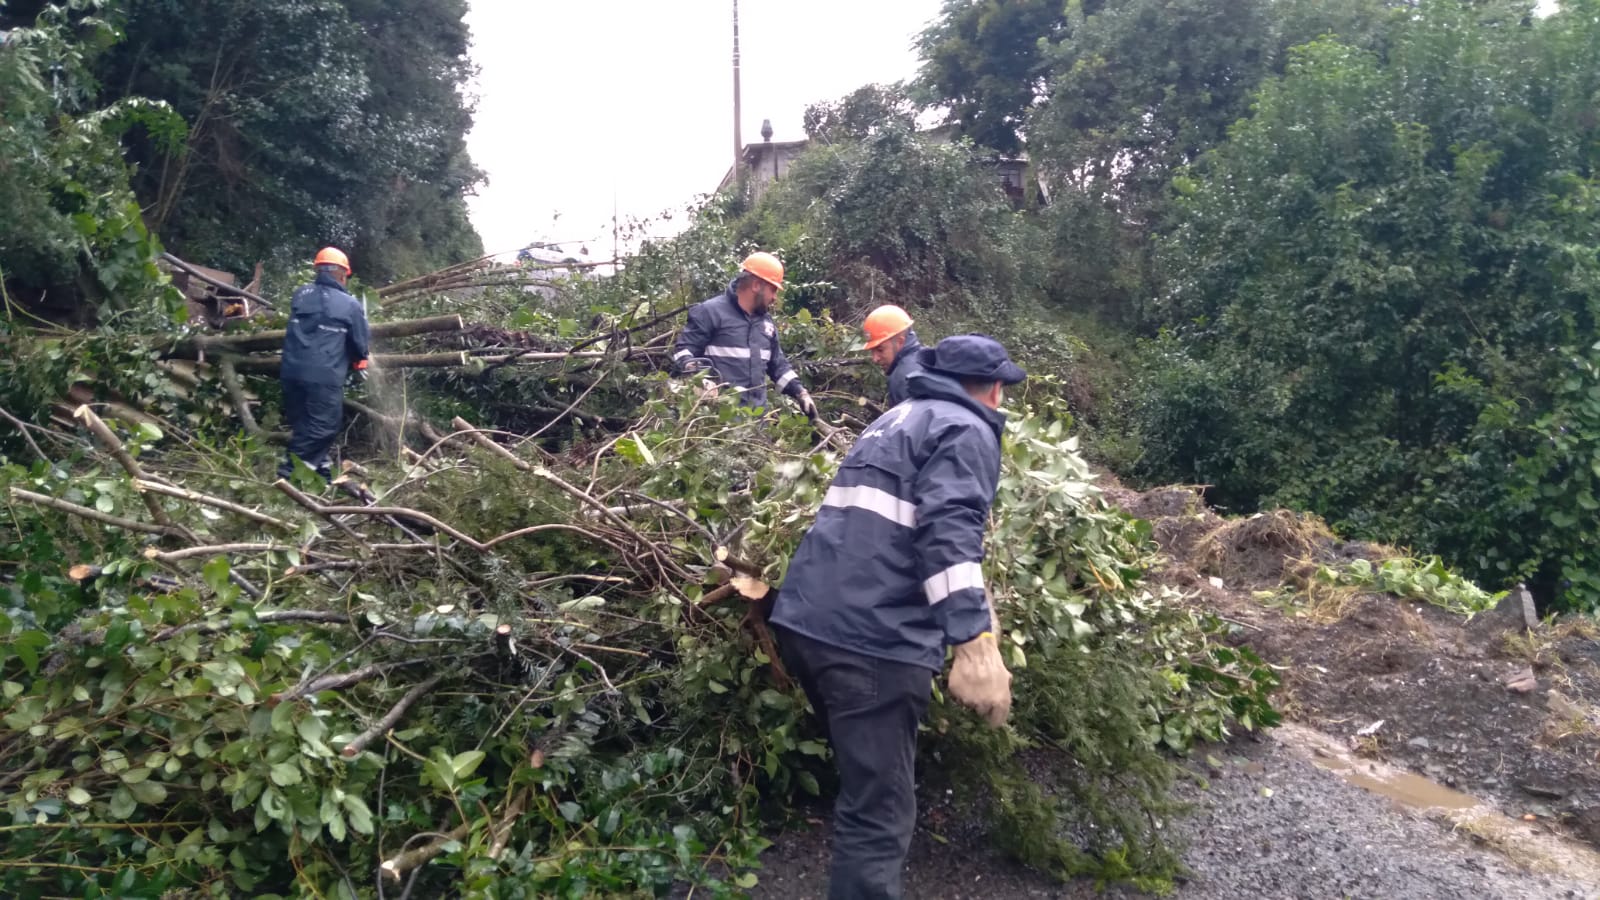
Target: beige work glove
[{"x": 979, "y": 680}]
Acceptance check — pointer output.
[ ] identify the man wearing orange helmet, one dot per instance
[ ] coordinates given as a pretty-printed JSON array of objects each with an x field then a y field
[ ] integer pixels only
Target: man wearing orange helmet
[
  {"x": 325, "y": 343},
  {"x": 894, "y": 347},
  {"x": 735, "y": 334}
]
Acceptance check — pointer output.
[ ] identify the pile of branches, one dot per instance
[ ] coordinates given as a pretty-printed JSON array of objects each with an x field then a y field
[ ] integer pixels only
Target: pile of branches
[{"x": 482, "y": 666}]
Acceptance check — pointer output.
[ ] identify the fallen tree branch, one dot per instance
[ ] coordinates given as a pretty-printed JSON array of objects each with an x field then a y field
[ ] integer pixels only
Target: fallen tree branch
[
  {"x": 311, "y": 505},
  {"x": 222, "y": 285},
  {"x": 340, "y": 681},
  {"x": 258, "y": 341},
  {"x": 111, "y": 443},
  {"x": 726, "y": 557},
  {"x": 229, "y": 375},
  {"x": 398, "y": 865},
  {"x": 172, "y": 556},
  {"x": 269, "y": 365},
  {"x": 263, "y": 618},
  {"x": 483, "y": 440},
  {"x": 23, "y": 428},
  {"x": 217, "y": 502},
  {"x": 95, "y": 514},
  {"x": 360, "y": 741}
]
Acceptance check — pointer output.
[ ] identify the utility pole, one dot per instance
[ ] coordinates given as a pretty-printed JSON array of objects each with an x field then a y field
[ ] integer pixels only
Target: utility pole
[{"x": 738, "y": 140}]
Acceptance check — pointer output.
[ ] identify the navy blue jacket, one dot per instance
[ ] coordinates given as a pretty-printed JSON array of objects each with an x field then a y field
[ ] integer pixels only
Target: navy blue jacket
[
  {"x": 891, "y": 568},
  {"x": 327, "y": 333},
  {"x": 904, "y": 366},
  {"x": 742, "y": 348}
]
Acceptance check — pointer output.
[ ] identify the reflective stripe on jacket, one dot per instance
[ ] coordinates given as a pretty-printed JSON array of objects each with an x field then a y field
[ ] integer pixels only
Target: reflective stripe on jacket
[{"x": 892, "y": 566}]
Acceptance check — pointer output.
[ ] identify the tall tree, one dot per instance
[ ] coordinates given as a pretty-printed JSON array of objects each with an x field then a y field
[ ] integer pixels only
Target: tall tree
[
  {"x": 310, "y": 122},
  {"x": 1380, "y": 281},
  {"x": 987, "y": 61}
]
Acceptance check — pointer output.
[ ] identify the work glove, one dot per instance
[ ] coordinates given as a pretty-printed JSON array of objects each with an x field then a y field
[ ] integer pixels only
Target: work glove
[
  {"x": 707, "y": 390},
  {"x": 807, "y": 405},
  {"x": 358, "y": 372},
  {"x": 979, "y": 680}
]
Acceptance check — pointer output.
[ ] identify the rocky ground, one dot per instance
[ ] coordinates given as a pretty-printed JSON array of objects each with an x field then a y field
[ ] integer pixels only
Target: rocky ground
[{"x": 1423, "y": 756}]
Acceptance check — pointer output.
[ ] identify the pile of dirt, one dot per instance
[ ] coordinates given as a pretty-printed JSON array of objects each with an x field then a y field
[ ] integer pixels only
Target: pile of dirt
[{"x": 1501, "y": 711}]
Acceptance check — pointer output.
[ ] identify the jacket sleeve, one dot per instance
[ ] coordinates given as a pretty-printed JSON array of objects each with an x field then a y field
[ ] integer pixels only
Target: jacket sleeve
[
  {"x": 782, "y": 374},
  {"x": 693, "y": 339},
  {"x": 357, "y": 338},
  {"x": 954, "y": 490}
]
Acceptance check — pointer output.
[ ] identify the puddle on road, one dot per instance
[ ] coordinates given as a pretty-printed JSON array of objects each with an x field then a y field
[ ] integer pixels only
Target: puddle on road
[
  {"x": 1404, "y": 788},
  {"x": 1522, "y": 842}
]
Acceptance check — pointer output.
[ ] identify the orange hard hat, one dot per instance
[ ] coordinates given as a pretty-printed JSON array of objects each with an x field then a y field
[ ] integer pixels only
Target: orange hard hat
[
  {"x": 883, "y": 323},
  {"x": 766, "y": 267},
  {"x": 332, "y": 256}
]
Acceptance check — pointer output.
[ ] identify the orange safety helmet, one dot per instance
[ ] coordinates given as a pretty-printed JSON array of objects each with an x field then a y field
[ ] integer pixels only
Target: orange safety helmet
[
  {"x": 883, "y": 323},
  {"x": 332, "y": 256},
  {"x": 766, "y": 267}
]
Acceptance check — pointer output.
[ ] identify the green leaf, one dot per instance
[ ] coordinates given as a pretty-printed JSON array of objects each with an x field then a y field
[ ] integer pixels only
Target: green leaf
[
  {"x": 149, "y": 433},
  {"x": 122, "y": 803},
  {"x": 285, "y": 774},
  {"x": 148, "y": 792},
  {"x": 466, "y": 763},
  {"x": 78, "y": 795},
  {"x": 570, "y": 811},
  {"x": 359, "y": 815},
  {"x": 746, "y": 880}
]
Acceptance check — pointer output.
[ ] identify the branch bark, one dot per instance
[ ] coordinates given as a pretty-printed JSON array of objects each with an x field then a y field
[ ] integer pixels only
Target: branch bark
[
  {"x": 269, "y": 365},
  {"x": 111, "y": 443},
  {"x": 217, "y": 502},
  {"x": 360, "y": 742},
  {"x": 270, "y": 616},
  {"x": 273, "y": 340},
  {"x": 172, "y": 556},
  {"x": 228, "y": 372},
  {"x": 340, "y": 681},
  {"x": 95, "y": 514}
]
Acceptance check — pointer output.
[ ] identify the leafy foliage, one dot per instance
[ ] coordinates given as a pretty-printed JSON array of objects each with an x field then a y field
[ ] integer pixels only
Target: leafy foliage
[
  {"x": 329, "y": 122},
  {"x": 1365, "y": 282},
  {"x": 1425, "y": 580},
  {"x": 154, "y": 738},
  {"x": 71, "y": 219}
]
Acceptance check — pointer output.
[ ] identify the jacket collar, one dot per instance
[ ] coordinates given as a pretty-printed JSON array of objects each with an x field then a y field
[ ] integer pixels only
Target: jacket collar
[
  {"x": 323, "y": 278},
  {"x": 912, "y": 345},
  {"x": 933, "y": 386},
  {"x": 733, "y": 300}
]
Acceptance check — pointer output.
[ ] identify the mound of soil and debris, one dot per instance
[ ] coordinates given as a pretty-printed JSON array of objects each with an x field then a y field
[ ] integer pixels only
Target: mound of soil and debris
[{"x": 1373, "y": 685}]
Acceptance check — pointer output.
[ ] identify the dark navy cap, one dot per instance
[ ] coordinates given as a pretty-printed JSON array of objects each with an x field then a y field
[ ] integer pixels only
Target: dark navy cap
[{"x": 971, "y": 356}]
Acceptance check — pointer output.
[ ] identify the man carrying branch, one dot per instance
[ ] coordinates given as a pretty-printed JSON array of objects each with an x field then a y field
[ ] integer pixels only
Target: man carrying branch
[
  {"x": 735, "y": 334},
  {"x": 326, "y": 343},
  {"x": 888, "y": 576}
]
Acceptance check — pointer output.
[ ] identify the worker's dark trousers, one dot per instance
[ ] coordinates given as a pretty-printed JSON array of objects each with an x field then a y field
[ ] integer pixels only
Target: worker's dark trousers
[
  {"x": 870, "y": 708},
  {"x": 314, "y": 412}
]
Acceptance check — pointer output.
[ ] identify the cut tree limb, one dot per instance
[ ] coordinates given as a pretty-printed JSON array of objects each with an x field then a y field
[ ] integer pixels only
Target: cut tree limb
[
  {"x": 229, "y": 373},
  {"x": 120, "y": 453},
  {"x": 273, "y": 340},
  {"x": 379, "y": 728},
  {"x": 269, "y": 365},
  {"x": 340, "y": 681},
  {"x": 95, "y": 514},
  {"x": 270, "y": 616},
  {"x": 217, "y": 502},
  {"x": 172, "y": 556}
]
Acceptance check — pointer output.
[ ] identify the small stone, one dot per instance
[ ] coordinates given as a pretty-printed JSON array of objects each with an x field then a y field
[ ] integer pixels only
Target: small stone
[
  {"x": 1542, "y": 790},
  {"x": 1419, "y": 743},
  {"x": 1521, "y": 681}
]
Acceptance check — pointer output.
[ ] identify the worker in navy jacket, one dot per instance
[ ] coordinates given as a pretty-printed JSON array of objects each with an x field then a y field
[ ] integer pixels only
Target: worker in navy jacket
[
  {"x": 889, "y": 576},
  {"x": 324, "y": 345},
  {"x": 734, "y": 333},
  {"x": 894, "y": 348}
]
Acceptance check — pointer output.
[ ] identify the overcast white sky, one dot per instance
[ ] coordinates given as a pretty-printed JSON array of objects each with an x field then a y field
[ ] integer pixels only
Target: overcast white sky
[{"x": 580, "y": 102}]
